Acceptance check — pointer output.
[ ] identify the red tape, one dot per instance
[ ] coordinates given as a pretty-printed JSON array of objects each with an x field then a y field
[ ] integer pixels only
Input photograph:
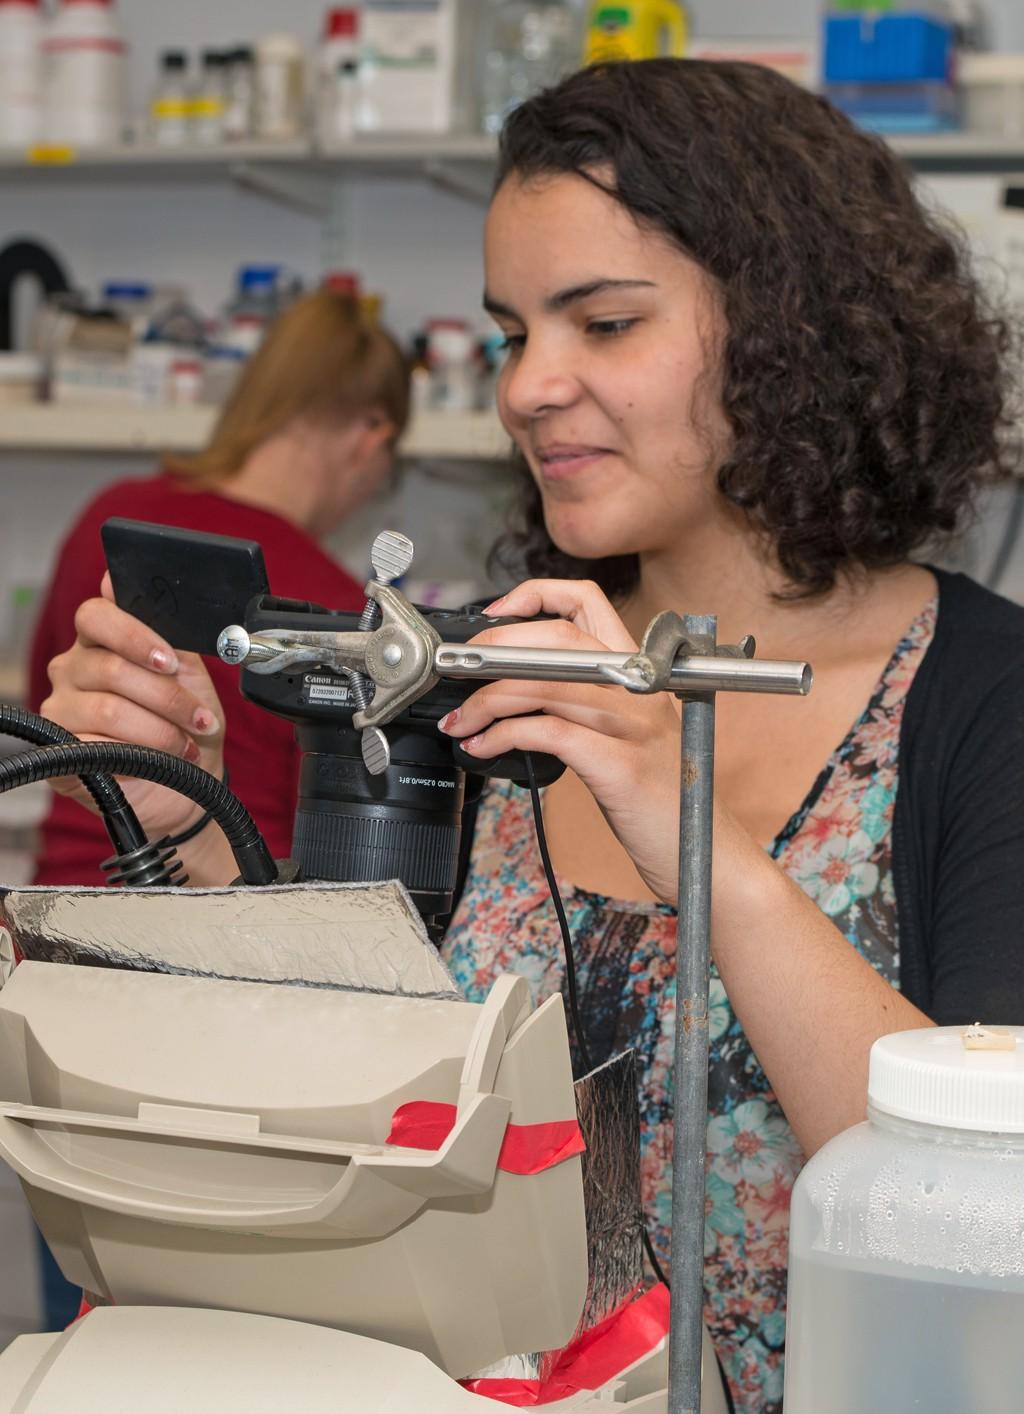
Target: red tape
[
  {"x": 526, "y": 1149},
  {"x": 592, "y": 1359}
]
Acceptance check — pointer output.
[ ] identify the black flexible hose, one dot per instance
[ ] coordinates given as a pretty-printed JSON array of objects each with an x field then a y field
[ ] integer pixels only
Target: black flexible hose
[
  {"x": 255, "y": 862},
  {"x": 126, "y": 834}
]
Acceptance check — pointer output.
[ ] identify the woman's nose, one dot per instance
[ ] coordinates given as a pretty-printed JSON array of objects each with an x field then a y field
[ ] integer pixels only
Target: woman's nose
[{"x": 536, "y": 379}]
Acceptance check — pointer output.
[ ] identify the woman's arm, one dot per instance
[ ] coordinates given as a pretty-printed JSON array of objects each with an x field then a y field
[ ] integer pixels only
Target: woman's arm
[
  {"x": 120, "y": 681},
  {"x": 810, "y": 1004}
]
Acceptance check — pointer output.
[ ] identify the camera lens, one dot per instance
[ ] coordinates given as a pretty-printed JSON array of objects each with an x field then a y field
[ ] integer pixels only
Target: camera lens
[{"x": 403, "y": 824}]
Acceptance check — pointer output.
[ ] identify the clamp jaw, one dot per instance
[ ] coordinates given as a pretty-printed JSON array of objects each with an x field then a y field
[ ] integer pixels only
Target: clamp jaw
[
  {"x": 398, "y": 657},
  {"x": 664, "y": 642}
]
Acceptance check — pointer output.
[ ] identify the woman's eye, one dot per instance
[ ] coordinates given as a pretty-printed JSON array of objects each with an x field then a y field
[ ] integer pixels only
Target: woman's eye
[
  {"x": 512, "y": 343},
  {"x": 608, "y": 328}
]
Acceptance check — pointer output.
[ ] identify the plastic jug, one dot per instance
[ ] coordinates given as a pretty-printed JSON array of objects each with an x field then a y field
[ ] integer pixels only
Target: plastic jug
[
  {"x": 643, "y": 29},
  {"x": 906, "y": 1271}
]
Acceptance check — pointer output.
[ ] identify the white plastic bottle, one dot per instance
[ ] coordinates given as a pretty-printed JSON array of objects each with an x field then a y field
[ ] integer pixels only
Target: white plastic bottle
[
  {"x": 337, "y": 72},
  {"x": 416, "y": 65},
  {"x": 84, "y": 69},
  {"x": 451, "y": 352},
  {"x": 280, "y": 86},
  {"x": 906, "y": 1259},
  {"x": 21, "y": 73}
]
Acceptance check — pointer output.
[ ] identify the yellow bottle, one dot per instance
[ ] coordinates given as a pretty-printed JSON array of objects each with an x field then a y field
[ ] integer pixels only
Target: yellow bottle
[{"x": 642, "y": 29}]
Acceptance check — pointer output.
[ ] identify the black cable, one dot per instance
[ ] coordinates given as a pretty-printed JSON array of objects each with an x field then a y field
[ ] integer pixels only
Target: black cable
[
  {"x": 126, "y": 834},
  {"x": 255, "y": 862},
  {"x": 570, "y": 969},
  {"x": 175, "y": 840},
  {"x": 563, "y": 923}
]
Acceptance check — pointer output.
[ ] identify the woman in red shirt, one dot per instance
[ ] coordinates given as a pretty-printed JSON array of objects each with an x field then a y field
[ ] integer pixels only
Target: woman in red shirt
[{"x": 307, "y": 437}]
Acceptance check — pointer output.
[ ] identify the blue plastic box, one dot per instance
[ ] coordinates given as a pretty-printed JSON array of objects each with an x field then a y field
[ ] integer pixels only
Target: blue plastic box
[{"x": 904, "y": 48}]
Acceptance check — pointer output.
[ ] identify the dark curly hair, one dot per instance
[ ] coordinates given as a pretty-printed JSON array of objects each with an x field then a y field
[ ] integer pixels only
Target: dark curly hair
[{"x": 863, "y": 377}]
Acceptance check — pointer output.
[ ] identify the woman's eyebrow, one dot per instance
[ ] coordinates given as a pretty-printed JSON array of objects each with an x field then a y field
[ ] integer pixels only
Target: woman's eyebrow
[{"x": 563, "y": 298}]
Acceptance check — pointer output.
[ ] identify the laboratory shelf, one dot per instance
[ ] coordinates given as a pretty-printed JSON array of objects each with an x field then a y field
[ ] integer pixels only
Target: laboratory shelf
[
  {"x": 411, "y": 154},
  {"x": 55, "y": 427},
  {"x": 969, "y": 153},
  {"x": 141, "y": 162}
]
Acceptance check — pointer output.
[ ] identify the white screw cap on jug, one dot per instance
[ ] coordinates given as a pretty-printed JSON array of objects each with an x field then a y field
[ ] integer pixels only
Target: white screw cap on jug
[{"x": 936, "y": 1076}]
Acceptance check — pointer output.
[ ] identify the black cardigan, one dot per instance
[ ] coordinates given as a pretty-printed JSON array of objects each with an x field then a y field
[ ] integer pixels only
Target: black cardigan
[{"x": 958, "y": 829}]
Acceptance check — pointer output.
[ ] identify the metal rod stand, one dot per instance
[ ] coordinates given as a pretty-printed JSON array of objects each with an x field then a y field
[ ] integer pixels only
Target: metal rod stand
[{"x": 693, "y": 960}]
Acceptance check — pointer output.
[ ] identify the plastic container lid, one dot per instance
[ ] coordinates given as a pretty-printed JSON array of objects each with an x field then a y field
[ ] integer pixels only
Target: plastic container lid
[
  {"x": 279, "y": 46},
  {"x": 341, "y": 24},
  {"x": 258, "y": 277},
  {"x": 127, "y": 289},
  {"x": 342, "y": 282},
  {"x": 929, "y": 1077}
]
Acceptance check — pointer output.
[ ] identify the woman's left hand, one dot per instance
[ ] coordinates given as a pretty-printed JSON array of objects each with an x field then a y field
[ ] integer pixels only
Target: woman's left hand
[{"x": 623, "y": 746}]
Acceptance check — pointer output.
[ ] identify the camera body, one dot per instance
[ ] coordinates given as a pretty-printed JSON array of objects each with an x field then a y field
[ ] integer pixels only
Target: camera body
[{"x": 405, "y": 822}]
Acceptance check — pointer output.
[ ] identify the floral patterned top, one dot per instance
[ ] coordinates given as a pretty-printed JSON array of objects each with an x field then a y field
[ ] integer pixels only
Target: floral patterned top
[{"x": 838, "y": 848}]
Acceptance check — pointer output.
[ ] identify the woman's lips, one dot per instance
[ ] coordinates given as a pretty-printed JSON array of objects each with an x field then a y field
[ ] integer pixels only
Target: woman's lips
[{"x": 558, "y": 463}]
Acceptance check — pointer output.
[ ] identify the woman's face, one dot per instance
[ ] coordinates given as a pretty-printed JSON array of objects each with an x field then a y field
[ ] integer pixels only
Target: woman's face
[{"x": 610, "y": 384}]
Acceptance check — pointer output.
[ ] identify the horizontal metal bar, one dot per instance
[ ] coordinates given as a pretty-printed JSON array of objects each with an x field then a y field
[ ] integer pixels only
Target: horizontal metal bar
[{"x": 689, "y": 674}]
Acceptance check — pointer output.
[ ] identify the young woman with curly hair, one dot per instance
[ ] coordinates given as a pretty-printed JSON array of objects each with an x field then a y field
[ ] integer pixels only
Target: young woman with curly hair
[{"x": 747, "y": 373}]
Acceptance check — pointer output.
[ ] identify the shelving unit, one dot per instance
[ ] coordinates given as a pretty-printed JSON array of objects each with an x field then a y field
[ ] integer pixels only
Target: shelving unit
[
  {"x": 53, "y": 427},
  {"x": 406, "y": 155},
  {"x": 963, "y": 152}
]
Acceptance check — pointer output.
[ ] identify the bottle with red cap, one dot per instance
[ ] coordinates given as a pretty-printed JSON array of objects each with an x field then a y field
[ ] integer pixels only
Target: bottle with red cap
[
  {"x": 84, "y": 59},
  {"x": 21, "y": 77},
  {"x": 337, "y": 75}
]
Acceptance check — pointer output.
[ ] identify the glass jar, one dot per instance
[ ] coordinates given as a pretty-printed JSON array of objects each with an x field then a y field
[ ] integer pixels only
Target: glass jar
[
  {"x": 524, "y": 45},
  {"x": 170, "y": 108}
]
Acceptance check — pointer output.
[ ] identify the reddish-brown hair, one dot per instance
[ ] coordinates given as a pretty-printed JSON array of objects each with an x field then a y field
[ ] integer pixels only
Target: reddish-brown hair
[{"x": 320, "y": 360}]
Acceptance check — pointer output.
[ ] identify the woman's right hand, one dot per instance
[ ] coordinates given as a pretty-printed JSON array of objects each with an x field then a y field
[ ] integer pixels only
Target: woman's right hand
[{"x": 120, "y": 681}]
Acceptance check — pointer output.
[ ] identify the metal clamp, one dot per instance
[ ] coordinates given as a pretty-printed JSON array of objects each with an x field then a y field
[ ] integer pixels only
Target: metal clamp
[{"x": 664, "y": 642}]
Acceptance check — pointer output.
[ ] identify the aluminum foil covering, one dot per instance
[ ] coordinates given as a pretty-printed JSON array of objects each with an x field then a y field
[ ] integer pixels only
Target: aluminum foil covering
[{"x": 358, "y": 937}]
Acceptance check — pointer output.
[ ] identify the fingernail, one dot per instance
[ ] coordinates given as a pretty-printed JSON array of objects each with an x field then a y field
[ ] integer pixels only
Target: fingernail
[
  {"x": 162, "y": 661},
  {"x": 493, "y": 608},
  {"x": 449, "y": 720},
  {"x": 191, "y": 753},
  {"x": 471, "y": 744},
  {"x": 204, "y": 721}
]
